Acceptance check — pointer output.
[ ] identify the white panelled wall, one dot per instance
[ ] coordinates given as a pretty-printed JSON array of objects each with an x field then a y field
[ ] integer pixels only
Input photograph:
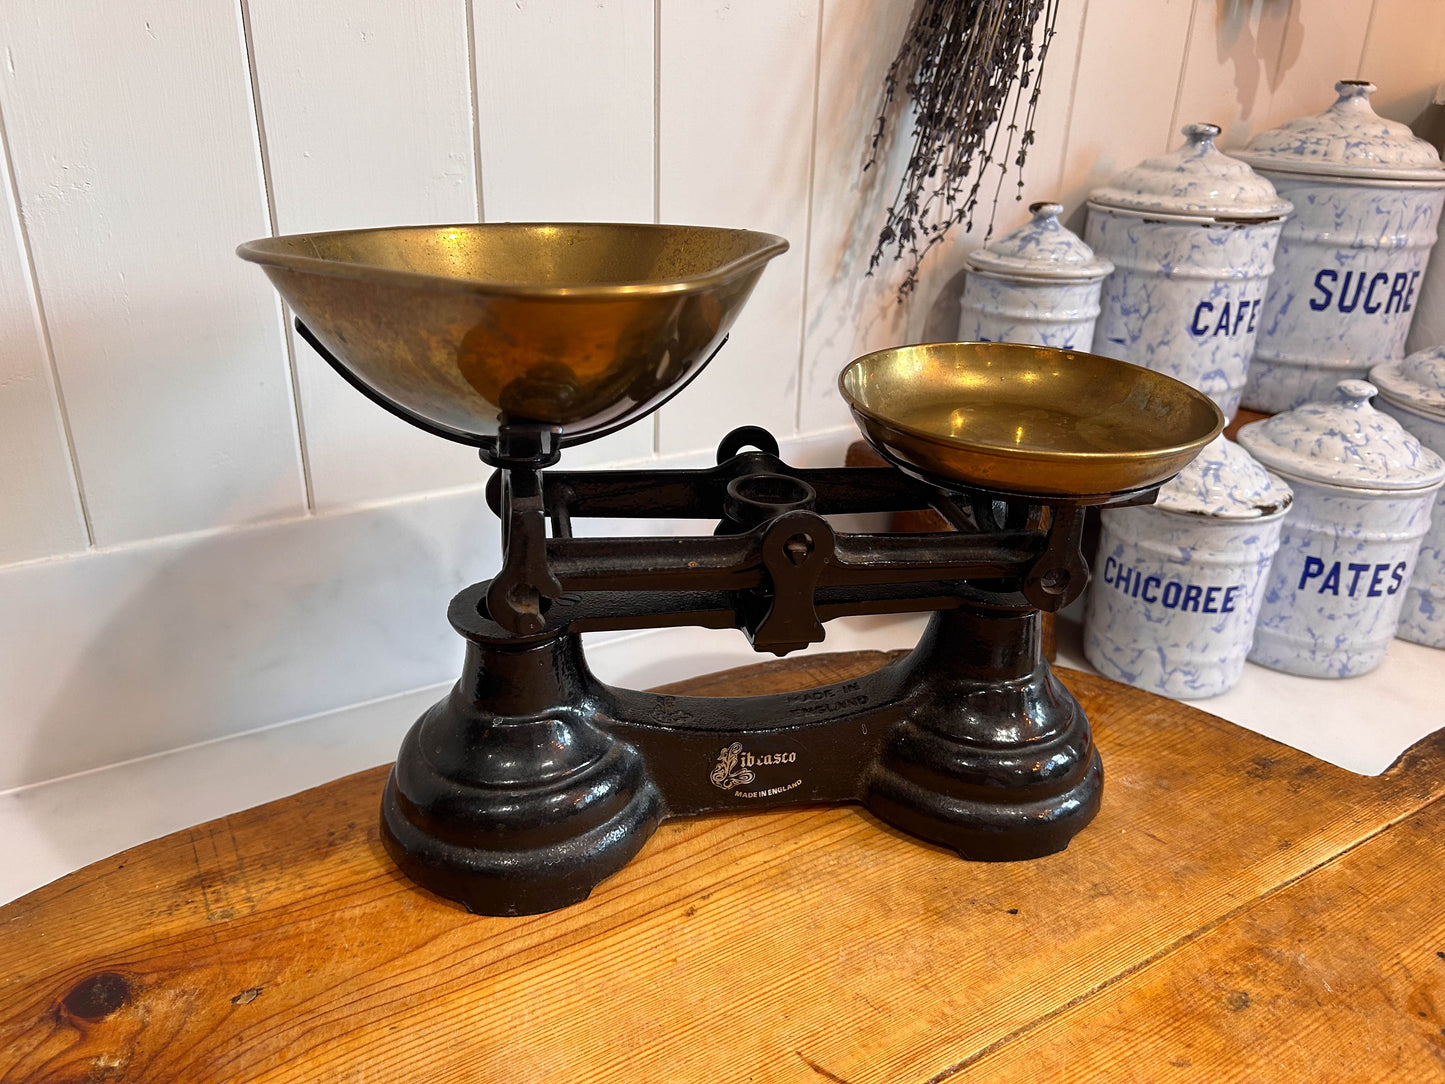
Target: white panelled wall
[{"x": 204, "y": 531}]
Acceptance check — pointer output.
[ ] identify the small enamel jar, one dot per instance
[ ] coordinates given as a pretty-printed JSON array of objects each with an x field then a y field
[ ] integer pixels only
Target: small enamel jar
[
  {"x": 1363, "y": 490},
  {"x": 1037, "y": 285},
  {"x": 1177, "y": 586},
  {"x": 1367, "y": 196},
  {"x": 1412, "y": 391},
  {"x": 1192, "y": 236}
]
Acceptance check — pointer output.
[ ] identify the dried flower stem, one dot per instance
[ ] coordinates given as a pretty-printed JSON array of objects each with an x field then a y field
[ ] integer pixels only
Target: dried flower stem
[{"x": 960, "y": 62}]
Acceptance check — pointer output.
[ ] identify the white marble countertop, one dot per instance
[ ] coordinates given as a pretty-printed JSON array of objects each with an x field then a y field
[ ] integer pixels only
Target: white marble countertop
[{"x": 53, "y": 828}]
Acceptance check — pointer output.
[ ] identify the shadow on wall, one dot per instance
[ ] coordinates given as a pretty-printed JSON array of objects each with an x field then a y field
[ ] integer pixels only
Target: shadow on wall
[
  {"x": 211, "y": 636},
  {"x": 1259, "y": 50}
]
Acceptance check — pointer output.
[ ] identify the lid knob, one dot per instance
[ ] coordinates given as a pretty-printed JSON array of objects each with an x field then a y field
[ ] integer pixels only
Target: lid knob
[
  {"x": 1354, "y": 88},
  {"x": 1045, "y": 210},
  {"x": 1201, "y": 134},
  {"x": 1354, "y": 394}
]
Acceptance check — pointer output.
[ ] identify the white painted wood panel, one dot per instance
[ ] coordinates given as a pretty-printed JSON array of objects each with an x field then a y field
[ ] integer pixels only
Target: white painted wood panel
[
  {"x": 566, "y": 125},
  {"x": 565, "y": 109},
  {"x": 366, "y": 110},
  {"x": 40, "y": 513},
  {"x": 1323, "y": 43},
  {"x": 736, "y": 87},
  {"x": 1404, "y": 56},
  {"x": 1123, "y": 107},
  {"x": 137, "y": 168},
  {"x": 849, "y": 312},
  {"x": 1251, "y": 67},
  {"x": 1232, "y": 66}
]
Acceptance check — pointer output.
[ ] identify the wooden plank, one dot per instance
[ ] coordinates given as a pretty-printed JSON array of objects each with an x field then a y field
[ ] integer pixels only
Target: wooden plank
[
  {"x": 1340, "y": 976},
  {"x": 366, "y": 110},
  {"x": 280, "y": 945},
  {"x": 138, "y": 173},
  {"x": 736, "y": 85},
  {"x": 38, "y": 489},
  {"x": 566, "y": 124}
]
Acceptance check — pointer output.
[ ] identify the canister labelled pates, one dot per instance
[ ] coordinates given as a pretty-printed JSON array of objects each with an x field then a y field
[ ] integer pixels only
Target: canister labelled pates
[{"x": 1363, "y": 489}]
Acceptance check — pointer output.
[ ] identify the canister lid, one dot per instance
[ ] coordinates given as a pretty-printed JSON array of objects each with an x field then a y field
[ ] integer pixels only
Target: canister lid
[
  {"x": 1349, "y": 139},
  {"x": 1416, "y": 381},
  {"x": 1344, "y": 442},
  {"x": 1197, "y": 181},
  {"x": 1225, "y": 482},
  {"x": 1041, "y": 249}
]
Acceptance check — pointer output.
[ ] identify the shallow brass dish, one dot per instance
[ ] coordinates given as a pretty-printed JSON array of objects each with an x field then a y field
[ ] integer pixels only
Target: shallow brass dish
[
  {"x": 583, "y": 326},
  {"x": 1028, "y": 419}
]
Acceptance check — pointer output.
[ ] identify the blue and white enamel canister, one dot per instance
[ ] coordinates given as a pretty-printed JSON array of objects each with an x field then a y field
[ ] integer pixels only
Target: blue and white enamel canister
[
  {"x": 1192, "y": 236},
  {"x": 1363, "y": 490},
  {"x": 1037, "y": 285},
  {"x": 1177, "y": 586},
  {"x": 1367, "y": 196},
  {"x": 1412, "y": 391}
]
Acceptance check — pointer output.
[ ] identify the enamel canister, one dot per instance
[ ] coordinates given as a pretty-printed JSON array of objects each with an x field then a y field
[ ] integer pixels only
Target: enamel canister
[
  {"x": 1192, "y": 236},
  {"x": 1037, "y": 285},
  {"x": 1412, "y": 391},
  {"x": 1178, "y": 585},
  {"x": 1363, "y": 490},
  {"x": 1367, "y": 196}
]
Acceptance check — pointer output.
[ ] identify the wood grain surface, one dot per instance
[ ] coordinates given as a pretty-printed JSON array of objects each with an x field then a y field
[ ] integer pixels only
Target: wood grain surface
[{"x": 813, "y": 944}]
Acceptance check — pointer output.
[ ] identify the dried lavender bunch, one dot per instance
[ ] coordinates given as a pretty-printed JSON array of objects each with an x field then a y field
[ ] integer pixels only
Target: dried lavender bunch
[{"x": 970, "y": 67}]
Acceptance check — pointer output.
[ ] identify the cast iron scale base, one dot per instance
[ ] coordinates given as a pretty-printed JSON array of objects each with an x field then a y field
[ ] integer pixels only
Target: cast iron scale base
[{"x": 532, "y": 781}]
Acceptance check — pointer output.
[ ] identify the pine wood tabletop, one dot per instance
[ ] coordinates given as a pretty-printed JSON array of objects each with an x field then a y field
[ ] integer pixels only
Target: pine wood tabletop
[{"x": 1238, "y": 911}]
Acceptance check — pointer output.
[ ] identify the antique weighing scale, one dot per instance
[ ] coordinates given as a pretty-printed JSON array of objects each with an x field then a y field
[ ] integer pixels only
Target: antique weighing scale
[{"x": 532, "y": 781}]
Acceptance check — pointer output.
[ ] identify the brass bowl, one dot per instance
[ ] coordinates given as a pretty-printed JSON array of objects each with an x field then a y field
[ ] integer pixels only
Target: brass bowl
[
  {"x": 587, "y": 327},
  {"x": 1028, "y": 420}
]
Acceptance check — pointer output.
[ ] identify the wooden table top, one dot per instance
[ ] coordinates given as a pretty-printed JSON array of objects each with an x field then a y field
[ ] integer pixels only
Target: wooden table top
[{"x": 1238, "y": 911}]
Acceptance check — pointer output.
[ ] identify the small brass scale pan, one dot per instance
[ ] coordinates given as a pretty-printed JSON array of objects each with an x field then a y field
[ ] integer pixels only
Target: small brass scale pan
[{"x": 531, "y": 781}]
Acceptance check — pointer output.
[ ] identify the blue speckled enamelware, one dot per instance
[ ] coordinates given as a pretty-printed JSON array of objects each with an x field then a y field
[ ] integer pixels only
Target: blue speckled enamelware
[
  {"x": 1347, "y": 282},
  {"x": 1363, "y": 492},
  {"x": 1192, "y": 236},
  {"x": 1177, "y": 587},
  {"x": 1412, "y": 391},
  {"x": 1038, "y": 285}
]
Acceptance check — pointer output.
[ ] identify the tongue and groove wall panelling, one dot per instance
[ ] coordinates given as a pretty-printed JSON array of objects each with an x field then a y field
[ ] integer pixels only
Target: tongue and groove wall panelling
[
  {"x": 566, "y": 123},
  {"x": 366, "y": 120},
  {"x": 40, "y": 514},
  {"x": 136, "y": 162},
  {"x": 1124, "y": 93},
  {"x": 737, "y": 83},
  {"x": 849, "y": 313},
  {"x": 1404, "y": 56},
  {"x": 934, "y": 313},
  {"x": 1251, "y": 67}
]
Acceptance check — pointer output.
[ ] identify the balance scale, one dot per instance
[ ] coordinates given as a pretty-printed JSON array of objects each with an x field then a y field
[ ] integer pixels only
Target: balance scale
[{"x": 531, "y": 781}]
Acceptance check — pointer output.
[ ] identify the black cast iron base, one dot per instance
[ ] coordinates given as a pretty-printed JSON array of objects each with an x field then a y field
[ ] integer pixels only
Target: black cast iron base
[{"x": 532, "y": 781}]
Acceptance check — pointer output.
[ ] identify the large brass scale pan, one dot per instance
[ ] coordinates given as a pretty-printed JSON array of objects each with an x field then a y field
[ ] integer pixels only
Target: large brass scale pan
[{"x": 588, "y": 327}]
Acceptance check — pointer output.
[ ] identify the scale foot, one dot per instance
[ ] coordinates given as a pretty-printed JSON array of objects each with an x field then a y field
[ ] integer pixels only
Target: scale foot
[
  {"x": 994, "y": 758},
  {"x": 522, "y": 811}
]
